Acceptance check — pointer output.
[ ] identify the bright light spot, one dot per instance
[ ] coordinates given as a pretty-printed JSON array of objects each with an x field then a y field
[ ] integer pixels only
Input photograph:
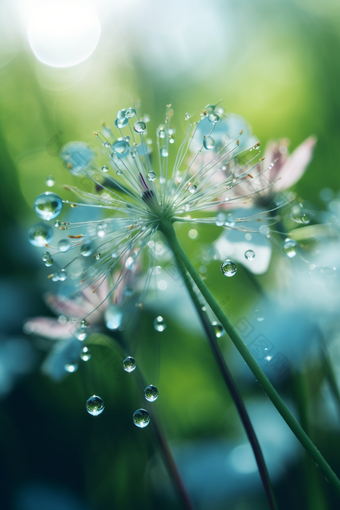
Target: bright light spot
[
  {"x": 162, "y": 285},
  {"x": 63, "y": 33},
  {"x": 243, "y": 460},
  {"x": 193, "y": 233},
  {"x": 268, "y": 358}
]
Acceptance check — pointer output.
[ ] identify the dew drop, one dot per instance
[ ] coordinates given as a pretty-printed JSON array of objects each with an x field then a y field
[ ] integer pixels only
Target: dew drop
[
  {"x": 151, "y": 393},
  {"x": 107, "y": 144},
  {"x": 95, "y": 405},
  {"x": 70, "y": 367},
  {"x": 192, "y": 189},
  {"x": 50, "y": 181},
  {"x": 164, "y": 152},
  {"x": 228, "y": 268},
  {"x": 249, "y": 254},
  {"x": 105, "y": 168},
  {"x": 208, "y": 142},
  {"x": 121, "y": 114},
  {"x": 64, "y": 245},
  {"x": 213, "y": 117},
  {"x": 141, "y": 418},
  {"x": 40, "y": 234},
  {"x": 113, "y": 317},
  {"x": 86, "y": 249},
  {"x": 85, "y": 354},
  {"x": 187, "y": 116},
  {"x": 48, "y": 205},
  {"x": 264, "y": 230},
  {"x": 130, "y": 112},
  {"x": 97, "y": 256},
  {"x": 62, "y": 275},
  {"x": 129, "y": 364},
  {"x": 159, "y": 324},
  {"x": 218, "y": 329},
  {"x": 47, "y": 259},
  {"x": 119, "y": 172},
  {"x": 121, "y": 123},
  {"x": 57, "y": 223},
  {"x": 289, "y": 246},
  {"x": 121, "y": 148},
  {"x": 152, "y": 176},
  {"x": 299, "y": 216},
  {"x": 139, "y": 126}
]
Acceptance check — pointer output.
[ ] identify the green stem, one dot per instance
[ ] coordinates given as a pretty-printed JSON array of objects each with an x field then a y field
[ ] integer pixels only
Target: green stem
[
  {"x": 231, "y": 385},
  {"x": 181, "y": 257},
  {"x": 165, "y": 451},
  {"x": 329, "y": 371}
]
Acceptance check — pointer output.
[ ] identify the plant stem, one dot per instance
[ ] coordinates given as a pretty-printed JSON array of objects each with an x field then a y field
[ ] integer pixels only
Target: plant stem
[
  {"x": 328, "y": 368},
  {"x": 231, "y": 385},
  {"x": 165, "y": 451},
  {"x": 181, "y": 257}
]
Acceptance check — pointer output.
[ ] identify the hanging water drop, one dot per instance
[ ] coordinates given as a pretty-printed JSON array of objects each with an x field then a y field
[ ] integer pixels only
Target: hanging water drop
[
  {"x": 129, "y": 364},
  {"x": 57, "y": 223},
  {"x": 213, "y": 117},
  {"x": 192, "y": 189},
  {"x": 50, "y": 181},
  {"x": 85, "y": 354},
  {"x": 130, "y": 112},
  {"x": 70, "y": 367},
  {"x": 105, "y": 168},
  {"x": 113, "y": 317},
  {"x": 299, "y": 216},
  {"x": 139, "y": 126},
  {"x": 95, "y": 405},
  {"x": 47, "y": 259},
  {"x": 86, "y": 249},
  {"x": 289, "y": 247},
  {"x": 48, "y": 205},
  {"x": 218, "y": 329},
  {"x": 228, "y": 268},
  {"x": 141, "y": 418},
  {"x": 64, "y": 245},
  {"x": 151, "y": 393},
  {"x": 151, "y": 176},
  {"x": 107, "y": 144},
  {"x": 159, "y": 324},
  {"x": 40, "y": 234},
  {"x": 121, "y": 123},
  {"x": 164, "y": 152},
  {"x": 62, "y": 275},
  {"x": 208, "y": 142},
  {"x": 120, "y": 148},
  {"x": 249, "y": 254}
]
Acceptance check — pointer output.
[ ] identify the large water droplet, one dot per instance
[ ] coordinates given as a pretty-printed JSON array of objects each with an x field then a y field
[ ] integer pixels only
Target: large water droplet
[
  {"x": 121, "y": 123},
  {"x": 130, "y": 112},
  {"x": 159, "y": 324},
  {"x": 208, "y": 142},
  {"x": 228, "y": 268},
  {"x": 62, "y": 275},
  {"x": 164, "y": 152},
  {"x": 50, "y": 181},
  {"x": 139, "y": 126},
  {"x": 95, "y": 405},
  {"x": 77, "y": 156},
  {"x": 129, "y": 364},
  {"x": 289, "y": 247},
  {"x": 141, "y": 418},
  {"x": 48, "y": 205},
  {"x": 249, "y": 254},
  {"x": 152, "y": 176},
  {"x": 71, "y": 367},
  {"x": 47, "y": 259},
  {"x": 121, "y": 148},
  {"x": 151, "y": 393},
  {"x": 218, "y": 329},
  {"x": 213, "y": 117},
  {"x": 121, "y": 114},
  {"x": 40, "y": 234},
  {"x": 64, "y": 245},
  {"x": 192, "y": 189},
  {"x": 113, "y": 317},
  {"x": 85, "y": 354},
  {"x": 299, "y": 216},
  {"x": 86, "y": 249}
]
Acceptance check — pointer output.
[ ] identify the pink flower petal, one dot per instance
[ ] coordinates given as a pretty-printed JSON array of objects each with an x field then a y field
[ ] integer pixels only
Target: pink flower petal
[
  {"x": 60, "y": 305},
  {"x": 296, "y": 164},
  {"x": 49, "y": 328}
]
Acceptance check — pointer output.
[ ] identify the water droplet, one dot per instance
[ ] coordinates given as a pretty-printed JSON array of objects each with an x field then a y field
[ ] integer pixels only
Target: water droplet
[
  {"x": 113, "y": 317},
  {"x": 97, "y": 256},
  {"x": 121, "y": 123},
  {"x": 130, "y": 112},
  {"x": 218, "y": 329},
  {"x": 95, "y": 405},
  {"x": 40, "y": 234},
  {"x": 85, "y": 354},
  {"x": 47, "y": 259},
  {"x": 129, "y": 364},
  {"x": 121, "y": 148},
  {"x": 141, "y": 418},
  {"x": 228, "y": 268},
  {"x": 258, "y": 314},
  {"x": 192, "y": 189},
  {"x": 299, "y": 216},
  {"x": 289, "y": 246},
  {"x": 62, "y": 275},
  {"x": 193, "y": 234},
  {"x": 220, "y": 219},
  {"x": 121, "y": 114},
  {"x": 159, "y": 324},
  {"x": 139, "y": 126},
  {"x": 208, "y": 142},
  {"x": 48, "y": 205},
  {"x": 151, "y": 393},
  {"x": 164, "y": 152},
  {"x": 152, "y": 176},
  {"x": 171, "y": 140},
  {"x": 57, "y": 223},
  {"x": 105, "y": 168},
  {"x": 187, "y": 116},
  {"x": 86, "y": 249},
  {"x": 264, "y": 230},
  {"x": 50, "y": 181},
  {"x": 71, "y": 367},
  {"x": 249, "y": 254},
  {"x": 119, "y": 172},
  {"x": 84, "y": 323},
  {"x": 213, "y": 117},
  {"x": 64, "y": 245},
  {"x": 107, "y": 144}
]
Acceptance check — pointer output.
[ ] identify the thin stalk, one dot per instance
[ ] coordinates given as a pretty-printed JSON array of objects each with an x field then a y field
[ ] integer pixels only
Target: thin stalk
[
  {"x": 181, "y": 257},
  {"x": 231, "y": 385},
  {"x": 164, "y": 449},
  {"x": 329, "y": 371}
]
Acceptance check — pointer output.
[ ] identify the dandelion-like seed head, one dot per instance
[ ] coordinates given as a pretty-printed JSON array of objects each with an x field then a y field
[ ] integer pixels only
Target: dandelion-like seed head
[{"x": 138, "y": 190}]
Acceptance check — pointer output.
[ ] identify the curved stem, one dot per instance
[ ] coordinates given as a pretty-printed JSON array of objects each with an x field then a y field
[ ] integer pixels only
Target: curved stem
[
  {"x": 165, "y": 451},
  {"x": 231, "y": 385},
  {"x": 168, "y": 230}
]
